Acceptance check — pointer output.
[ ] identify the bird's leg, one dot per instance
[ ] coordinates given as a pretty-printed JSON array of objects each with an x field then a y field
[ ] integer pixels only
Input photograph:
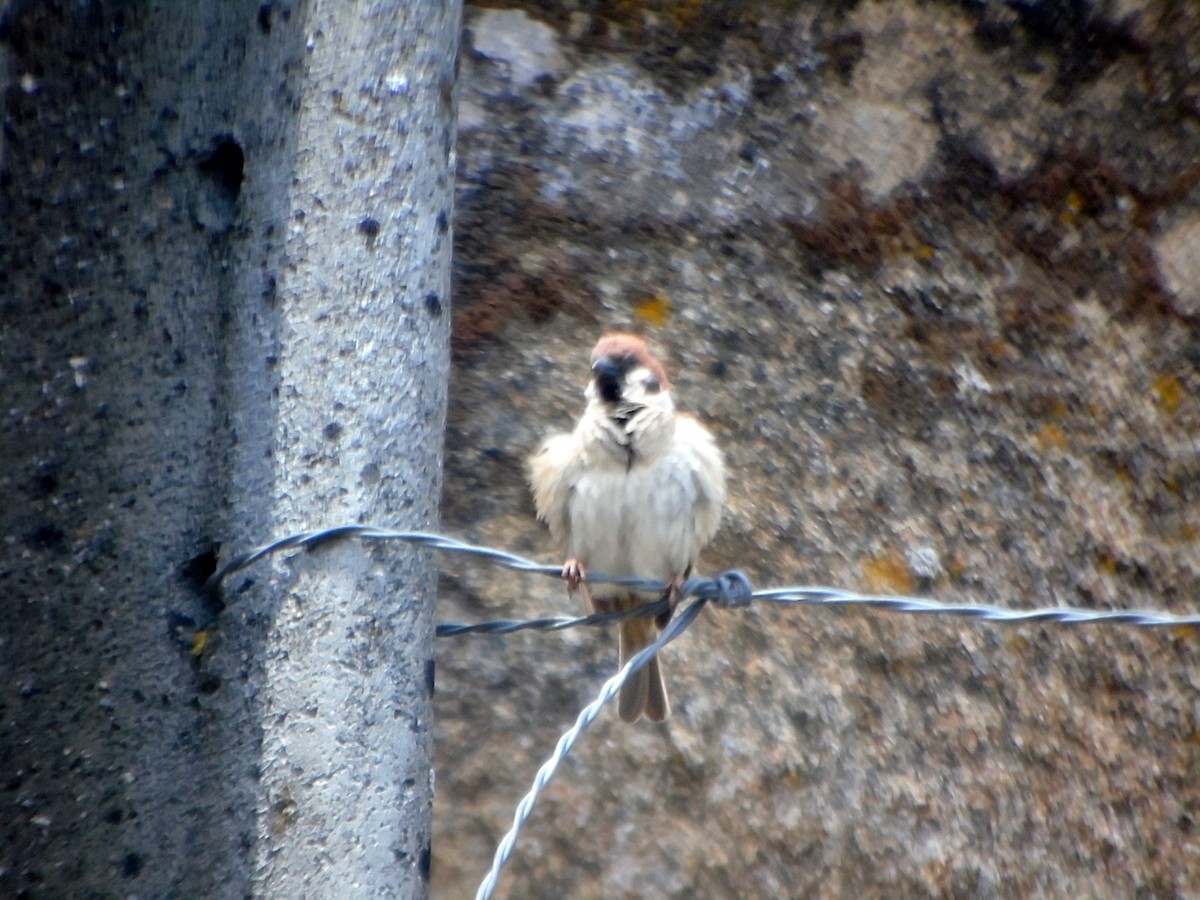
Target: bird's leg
[
  {"x": 673, "y": 595},
  {"x": 675, "y": 591},
  {"x": 575, "y": 576}
]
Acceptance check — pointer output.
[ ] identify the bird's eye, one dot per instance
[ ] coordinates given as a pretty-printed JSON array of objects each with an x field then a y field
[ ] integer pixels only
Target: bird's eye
[{"x": 652, "y": 385}]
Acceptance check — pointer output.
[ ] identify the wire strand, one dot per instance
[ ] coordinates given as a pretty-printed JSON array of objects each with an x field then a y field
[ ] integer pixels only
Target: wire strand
[
  {"x": 310, "y": 540},
  {"x": 730, "y": 589},
  {"x": 1058, "y": 615},
  {"x": 802, "y": 595},
  {"x": 678, "y": 624},
  {"x": 550, "y": 623}
]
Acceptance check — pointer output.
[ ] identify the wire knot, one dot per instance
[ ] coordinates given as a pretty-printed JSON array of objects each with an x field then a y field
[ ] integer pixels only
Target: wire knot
[
  {"x": 733, "y": 589},
  {"x": 730, "y": 589}
]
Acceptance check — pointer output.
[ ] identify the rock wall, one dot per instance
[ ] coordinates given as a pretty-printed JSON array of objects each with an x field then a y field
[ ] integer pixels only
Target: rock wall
[{"x": 931, "y": 273}]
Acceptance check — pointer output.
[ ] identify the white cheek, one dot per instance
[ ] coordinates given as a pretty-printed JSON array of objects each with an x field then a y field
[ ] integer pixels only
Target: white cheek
[
  {"x": 637, "y": 385},
  {"x": 637, "y": 390},
  {"x": 634, "y": 393}
]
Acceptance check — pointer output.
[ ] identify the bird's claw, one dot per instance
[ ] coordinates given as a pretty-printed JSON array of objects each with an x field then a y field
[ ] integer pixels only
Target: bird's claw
[
  {"x": 573, "y": 574},
  {"x": 576, "y": 578}
]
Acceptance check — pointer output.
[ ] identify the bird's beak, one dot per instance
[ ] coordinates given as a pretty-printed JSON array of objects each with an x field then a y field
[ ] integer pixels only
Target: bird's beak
[{"x": 608, "y": 379}]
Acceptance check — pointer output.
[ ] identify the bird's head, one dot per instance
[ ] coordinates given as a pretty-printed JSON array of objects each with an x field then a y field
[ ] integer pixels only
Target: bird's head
[{"x": 627, "y": 377}]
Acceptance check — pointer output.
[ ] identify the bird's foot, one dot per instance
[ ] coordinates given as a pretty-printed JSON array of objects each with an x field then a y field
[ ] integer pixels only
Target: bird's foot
[{"x": 575, "y": 576}]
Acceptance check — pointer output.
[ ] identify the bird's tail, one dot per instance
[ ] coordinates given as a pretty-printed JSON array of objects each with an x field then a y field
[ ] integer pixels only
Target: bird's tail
[{"x": 644, "y": 693}]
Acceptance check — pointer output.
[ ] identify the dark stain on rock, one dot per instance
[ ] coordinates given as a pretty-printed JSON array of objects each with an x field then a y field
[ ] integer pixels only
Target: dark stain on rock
[
  {"x": 202, "y": 566},
  {"x": 852, "y": 231},
  {"x": 44, "y": 537},
  {"x": 369, "y": 228},
  {"x": 225, "y": 166}
]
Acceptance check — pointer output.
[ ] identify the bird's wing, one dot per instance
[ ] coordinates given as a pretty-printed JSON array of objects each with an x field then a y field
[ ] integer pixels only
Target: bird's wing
[
  {"x": 708, "y": 477},
  {"x": 553, "y": 470}
]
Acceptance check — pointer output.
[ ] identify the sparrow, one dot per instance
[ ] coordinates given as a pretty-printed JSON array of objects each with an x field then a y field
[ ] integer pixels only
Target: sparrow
[{"x": 636, "y": 489}]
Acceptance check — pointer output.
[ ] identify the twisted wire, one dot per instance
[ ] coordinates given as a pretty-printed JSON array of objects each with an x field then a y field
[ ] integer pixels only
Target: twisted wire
[
  {"x": 731, "y": 589},
  {"x": 1055, "y": 615},
  {"x": 310, "y": 540},
  {"x": 803, "y": 595},
  {"x": 550, "y": 623},
  {"x": 678, "y": 624}
]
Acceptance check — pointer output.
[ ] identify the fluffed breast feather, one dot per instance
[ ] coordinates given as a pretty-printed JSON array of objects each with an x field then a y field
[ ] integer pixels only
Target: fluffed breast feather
[{"x": 692, "y": 461}]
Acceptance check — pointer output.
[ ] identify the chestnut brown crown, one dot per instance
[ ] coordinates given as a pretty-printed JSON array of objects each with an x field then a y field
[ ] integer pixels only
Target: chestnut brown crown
[{"x": 629, "y": 351}]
